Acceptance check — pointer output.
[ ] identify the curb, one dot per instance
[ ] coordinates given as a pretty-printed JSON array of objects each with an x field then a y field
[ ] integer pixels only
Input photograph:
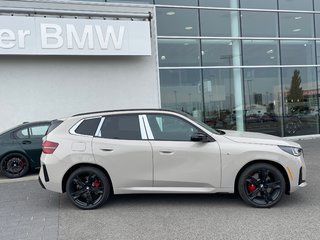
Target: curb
[
  {"x": 23, "y": 179},
  {"x": 303, "y": 137}
]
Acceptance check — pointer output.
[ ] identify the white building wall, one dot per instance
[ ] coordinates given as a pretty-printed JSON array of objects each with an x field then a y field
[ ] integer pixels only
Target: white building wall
[{"x": 36, "y": 88}]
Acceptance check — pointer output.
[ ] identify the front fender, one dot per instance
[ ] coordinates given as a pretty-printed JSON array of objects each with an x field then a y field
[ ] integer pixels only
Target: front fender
[{"x": 236, "y": 156}]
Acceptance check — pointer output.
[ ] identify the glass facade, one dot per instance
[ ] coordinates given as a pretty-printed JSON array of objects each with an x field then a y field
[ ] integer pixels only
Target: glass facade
[{"x": 241, "y": 64}]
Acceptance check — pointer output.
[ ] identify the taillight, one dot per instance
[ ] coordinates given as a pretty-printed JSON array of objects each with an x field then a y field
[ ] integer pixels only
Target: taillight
[{"x": 49, "y": 147}]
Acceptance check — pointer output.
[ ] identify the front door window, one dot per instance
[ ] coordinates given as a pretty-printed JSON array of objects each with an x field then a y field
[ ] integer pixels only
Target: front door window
[{"x": 170, "y": 128}]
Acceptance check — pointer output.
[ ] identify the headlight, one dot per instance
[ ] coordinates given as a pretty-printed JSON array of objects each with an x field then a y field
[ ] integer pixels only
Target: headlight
[{"x": 292, "y": 150}]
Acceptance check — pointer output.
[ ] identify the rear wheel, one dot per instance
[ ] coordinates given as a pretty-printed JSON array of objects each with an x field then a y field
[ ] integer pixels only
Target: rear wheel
[
  {"x": 88, "y": 188},
  {"x": 261, "y": 185},
  {"x": 14, "y": 165}
]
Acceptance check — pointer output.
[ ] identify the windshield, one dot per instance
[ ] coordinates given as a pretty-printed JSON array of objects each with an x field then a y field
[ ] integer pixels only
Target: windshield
[{"x": 202, "y": 124}]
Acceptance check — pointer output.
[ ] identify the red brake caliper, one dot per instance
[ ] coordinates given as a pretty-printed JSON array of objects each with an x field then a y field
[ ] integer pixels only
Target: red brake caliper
[
  {"x": 251, "y": 187},
  {"x": 96, "y": 183},
  {"x": 21, "y": 163}
]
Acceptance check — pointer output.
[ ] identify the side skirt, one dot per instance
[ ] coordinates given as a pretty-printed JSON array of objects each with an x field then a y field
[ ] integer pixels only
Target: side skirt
[{"x": 171, "y": 190}]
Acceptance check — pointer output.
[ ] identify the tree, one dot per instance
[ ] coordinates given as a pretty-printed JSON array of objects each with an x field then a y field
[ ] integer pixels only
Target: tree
[{"x": 295, "y": 93}]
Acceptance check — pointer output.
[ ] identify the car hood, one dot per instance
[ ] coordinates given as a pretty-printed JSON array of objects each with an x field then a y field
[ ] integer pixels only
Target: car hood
[{"x": 258, "y": 138}]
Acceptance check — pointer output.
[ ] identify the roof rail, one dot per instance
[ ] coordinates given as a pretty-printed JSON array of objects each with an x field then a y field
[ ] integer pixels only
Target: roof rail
[{"x": 124, "y": 110}]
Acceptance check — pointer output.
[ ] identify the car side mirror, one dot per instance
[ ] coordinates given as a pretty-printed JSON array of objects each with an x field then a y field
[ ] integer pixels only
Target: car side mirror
[{"x": 199, "y": 137}]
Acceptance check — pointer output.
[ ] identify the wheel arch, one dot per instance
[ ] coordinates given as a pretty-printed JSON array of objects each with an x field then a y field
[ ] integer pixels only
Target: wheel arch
[
  {"x": 275, "y": 164},
  {"x": 73, "y": 168}
]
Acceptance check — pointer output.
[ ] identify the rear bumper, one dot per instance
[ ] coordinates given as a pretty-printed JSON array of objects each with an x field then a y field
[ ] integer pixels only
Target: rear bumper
[
  {"x": 44, "y": 175},
  {"x": 47, "y": 179},
  {"x": 40, "y": 182}
]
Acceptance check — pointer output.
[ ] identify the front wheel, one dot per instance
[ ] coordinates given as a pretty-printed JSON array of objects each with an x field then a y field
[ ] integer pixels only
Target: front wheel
[
  {"x": 261, "y": 185},
  {"x": 88, "y": 188},
  {"x": 14, "y": 165}
]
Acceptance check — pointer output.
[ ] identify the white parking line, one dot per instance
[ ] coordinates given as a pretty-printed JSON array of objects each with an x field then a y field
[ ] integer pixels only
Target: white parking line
[{"x": 23, "y": 179}]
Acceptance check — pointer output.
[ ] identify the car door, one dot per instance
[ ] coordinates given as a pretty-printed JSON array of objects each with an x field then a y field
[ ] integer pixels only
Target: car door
[
  {"x": 122, "y": 148},
  {"x": 178, "y": 161},
  {"x": 30, "y": 140}
]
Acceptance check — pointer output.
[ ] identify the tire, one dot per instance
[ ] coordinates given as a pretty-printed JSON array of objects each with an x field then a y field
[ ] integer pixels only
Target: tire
[
  {"x": 261, "y": 185},
  {"x": 88, "y": 188},
  {"x": 15, "y": 165}
]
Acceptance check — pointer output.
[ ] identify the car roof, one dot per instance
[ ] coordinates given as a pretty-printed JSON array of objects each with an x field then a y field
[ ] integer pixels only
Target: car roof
[{"x": 25, "y": 124}]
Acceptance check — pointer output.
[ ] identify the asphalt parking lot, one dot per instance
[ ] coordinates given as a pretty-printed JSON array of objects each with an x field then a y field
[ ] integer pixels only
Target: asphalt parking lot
[{"x": 29, "y": 212}]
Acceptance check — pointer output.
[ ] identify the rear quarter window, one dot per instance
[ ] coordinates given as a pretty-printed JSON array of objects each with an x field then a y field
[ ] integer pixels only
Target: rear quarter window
[
  {"x": 22, "y": 133},
  {"x": 53, "y": 125},
  {"x": 88, "y": 127}
]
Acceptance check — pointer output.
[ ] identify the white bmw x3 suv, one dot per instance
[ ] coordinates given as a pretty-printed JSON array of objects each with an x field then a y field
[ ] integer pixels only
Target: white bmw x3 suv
[{"x": 91, "y": 156}]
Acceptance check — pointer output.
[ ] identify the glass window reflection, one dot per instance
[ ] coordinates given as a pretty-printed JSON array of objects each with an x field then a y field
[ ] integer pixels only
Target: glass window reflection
[
  {"x": 259, "y": 4},
  {"x": 219, "y": 23},
  {"x": 300, "y": 101},
  {"x": 219, "y": 98},
  {"x": 219, "y": 3},
  {"x": 294, "y": 52},
  {"x": 177, "y": 22},
  {"x": 177, "y": 2},
  {"x": 296, "y": 25},
  {"x": 259, "y": 24},
  {"x": 91, "y": 0},
  {"x": 316, "y": 5},
  {"x": 317, "y": 21},
  {"x": 260, "y": 52},
  {"x": 263, "y": 106},
  {"x": 217, "y": 52},
  {"x": 182, "y": 90},
  {"x": 178, "y": 52},
  {"x": 305, "y": 5},
  {"x": 318, "y": 53},
  {"x": 131, "y": 1}
]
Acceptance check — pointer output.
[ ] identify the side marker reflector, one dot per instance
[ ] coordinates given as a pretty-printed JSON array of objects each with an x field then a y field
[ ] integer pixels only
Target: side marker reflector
[{"x": 290, "y": 173}]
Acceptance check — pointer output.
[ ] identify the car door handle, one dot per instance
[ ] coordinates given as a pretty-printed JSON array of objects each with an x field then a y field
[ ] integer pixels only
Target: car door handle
[
  {"x": 26, "y": 142},
  {"x": 106, "y": 149},
  {"x": 167, "y": 152}
]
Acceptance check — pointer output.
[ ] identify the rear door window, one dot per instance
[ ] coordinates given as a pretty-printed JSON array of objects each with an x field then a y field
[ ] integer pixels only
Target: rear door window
[{"x": 125, "y": 127}]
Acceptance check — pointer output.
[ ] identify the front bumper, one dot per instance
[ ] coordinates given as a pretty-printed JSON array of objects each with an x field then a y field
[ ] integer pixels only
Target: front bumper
[
  {"x": 299, "y": 179},
  {"x": 302, "y": 182}
]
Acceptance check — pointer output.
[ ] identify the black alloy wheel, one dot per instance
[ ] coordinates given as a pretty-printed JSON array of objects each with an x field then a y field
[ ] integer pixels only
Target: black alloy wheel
[
  {"x": 14, "y": 165},
  {"x": 261, "y": 185},
  {"x": 88, "y": 188}
]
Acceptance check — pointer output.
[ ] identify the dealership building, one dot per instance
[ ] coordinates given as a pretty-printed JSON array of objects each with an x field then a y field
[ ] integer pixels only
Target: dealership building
[{"x": 235, "y": 64}]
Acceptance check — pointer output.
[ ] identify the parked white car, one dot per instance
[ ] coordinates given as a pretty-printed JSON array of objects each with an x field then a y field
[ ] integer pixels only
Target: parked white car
[{"x": 91, "y": 156}]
